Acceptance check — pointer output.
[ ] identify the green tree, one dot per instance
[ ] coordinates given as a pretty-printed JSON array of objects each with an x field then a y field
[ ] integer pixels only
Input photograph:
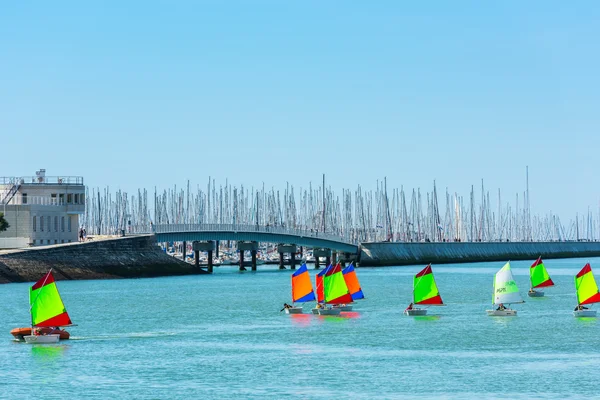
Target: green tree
[{"x": 3, "y": 224}]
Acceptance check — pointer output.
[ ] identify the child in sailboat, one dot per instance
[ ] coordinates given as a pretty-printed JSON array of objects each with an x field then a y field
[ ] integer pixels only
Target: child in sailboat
[
  {"x": 410, "y": 307},
  {"x": 580, "y": 308},
  {"x": 501, "y": 307}
]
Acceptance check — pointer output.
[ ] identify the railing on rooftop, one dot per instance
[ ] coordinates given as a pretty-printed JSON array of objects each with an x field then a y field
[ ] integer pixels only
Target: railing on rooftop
[
  {"x": 174, "y": 228},
  {"x": 42, "y": 180},
  {"x": 20, "y": 200}
]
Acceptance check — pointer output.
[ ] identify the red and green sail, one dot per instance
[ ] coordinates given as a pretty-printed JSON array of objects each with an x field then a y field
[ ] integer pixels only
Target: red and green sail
[
  {"x": 425, "y": 290},
  {"x": 538, "y": 275},
  {"x": 334, "y": 286},
  {"x": 587, "y": 290},
  {"x": 319, "y": 284},
  {"x": 47, "y": 308}
]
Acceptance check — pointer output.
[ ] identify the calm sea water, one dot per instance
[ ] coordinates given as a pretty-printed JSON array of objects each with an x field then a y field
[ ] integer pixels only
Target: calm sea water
[{"x": 223, "y": 336}]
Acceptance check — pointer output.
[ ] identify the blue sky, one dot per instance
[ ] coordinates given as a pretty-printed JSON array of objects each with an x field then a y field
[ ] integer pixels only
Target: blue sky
[{"x": 151, "y": 93}]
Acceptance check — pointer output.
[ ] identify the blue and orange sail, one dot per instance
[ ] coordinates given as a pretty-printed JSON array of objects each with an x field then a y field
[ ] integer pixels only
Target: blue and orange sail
[
  {"x": 334, "y": 286},
  {"x": 302, "y": 290},
  {"x": 47, "y": 308},
  {"x": 352, "y": 282}
]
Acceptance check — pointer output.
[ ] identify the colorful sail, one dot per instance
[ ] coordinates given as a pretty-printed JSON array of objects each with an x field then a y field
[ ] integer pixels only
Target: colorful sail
[
  {"x": 505, "y": 287},
  {"x": 319, "y": 284},
  {"x": 47, "y": 308},
  {"x": 352, "y": 282},
  {"x": 425, "y": 290},
  {"x": 302, "y": 290},
  {"x": 538, "y": 275},
  {"x": 587, "y": 290},
  {"x": 334, "y": 286}
]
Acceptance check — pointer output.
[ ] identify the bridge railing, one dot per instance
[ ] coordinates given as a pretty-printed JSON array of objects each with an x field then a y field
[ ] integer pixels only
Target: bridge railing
[{"x": 172, "y": 228}]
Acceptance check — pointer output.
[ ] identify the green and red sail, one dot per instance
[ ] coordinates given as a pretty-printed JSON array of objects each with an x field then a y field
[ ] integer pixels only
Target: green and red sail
[
  {"x": 425, "y": 289},
  {"x": 585, "y": 284},
  {"x": 47, "y": 308},
  {"x": 538, "y": 275},
  {"x": 334, "y": 286}
]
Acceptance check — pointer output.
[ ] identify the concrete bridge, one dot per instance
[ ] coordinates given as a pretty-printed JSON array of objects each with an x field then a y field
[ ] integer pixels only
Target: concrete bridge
[{"x": 248, "y": 237}]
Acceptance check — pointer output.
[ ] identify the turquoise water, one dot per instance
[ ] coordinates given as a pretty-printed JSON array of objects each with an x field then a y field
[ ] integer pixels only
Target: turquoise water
[{"x": 223, "y": 336}]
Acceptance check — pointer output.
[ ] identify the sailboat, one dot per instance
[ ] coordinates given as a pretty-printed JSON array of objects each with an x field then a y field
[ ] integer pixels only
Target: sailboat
[
  {"x": 425, "y": 292},
  {"x": 353, "y": 286},
  {"x": 587, "y": 292},
  {"x": 335, "y": 291},
  {"x": 505, "y": 292},
  {"x": 319, "y": 288},
  {"x": 302, "y": 290},
  {"x": 539, "y": 278},
  {"x": 48, "y": 313}
]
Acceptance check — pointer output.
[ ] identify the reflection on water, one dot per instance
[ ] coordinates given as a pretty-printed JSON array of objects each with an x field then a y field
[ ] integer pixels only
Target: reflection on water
[
  {"x": 427, "y": 317},
  {"x": 47, "y": 352},
  {"x": 301, "y": 319}
]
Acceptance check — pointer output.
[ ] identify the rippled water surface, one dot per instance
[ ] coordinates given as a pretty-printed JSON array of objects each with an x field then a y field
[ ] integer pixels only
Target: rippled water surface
[{"x": 223, "y": 336}]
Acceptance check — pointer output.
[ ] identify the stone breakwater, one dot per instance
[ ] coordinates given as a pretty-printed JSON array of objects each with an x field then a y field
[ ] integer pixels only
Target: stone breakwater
[
  {"x": 382, "y": 254},
  {"x": 127, "y": 257}
]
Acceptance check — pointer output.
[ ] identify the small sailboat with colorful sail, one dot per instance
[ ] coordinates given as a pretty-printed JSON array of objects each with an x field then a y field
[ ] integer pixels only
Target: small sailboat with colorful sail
[
  {"x": 425, "y": 292},
  {"x": 353, "y": 286},
  {"x": 335, "y": 291},
  {"x": 302, "y": 290},
  {"x": 505, "y": 292},
  {"x": 319, "y": 288},
  {"x": 48, "y": 314},
  {"x": 587, "y": 292},
  {"x": 539, "y": 278}
]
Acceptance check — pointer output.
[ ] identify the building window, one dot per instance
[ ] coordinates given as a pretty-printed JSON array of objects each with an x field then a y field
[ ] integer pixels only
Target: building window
[
  {"x": 53, "y": 199},
  {"x": 55, "y": 241},
  {"x": 34, "y": 223},
  {"x": 48, "y": 241},
  {"x": 61, "y": 199},
  {"x": 24, "y": 198},
  {"x": 69, "y": 223},
  {"x": 62, "y": 224},
  {"x": 81, "y": 198},
  {"x": 41, "y": 224},
  {"x": 55, "y": 224},
  {"x": 69, "y": 198},
  {"x": 76, "y": 198},
  {"x": 49, "y": 222}
]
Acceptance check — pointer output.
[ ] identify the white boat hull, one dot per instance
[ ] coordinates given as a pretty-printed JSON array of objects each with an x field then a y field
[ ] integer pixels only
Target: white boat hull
[
  {"x": 535, "y": 294},
  {"x": 329, "y": 311},
  {"x": 343, "y": 308},
  {"x": 584, "y": 313},
  {"x": 35, "y": 339},
  {"x": 415, "y": 312},
  {"x": 501, "y": 313},
  {"x": 294, "y": 310}
]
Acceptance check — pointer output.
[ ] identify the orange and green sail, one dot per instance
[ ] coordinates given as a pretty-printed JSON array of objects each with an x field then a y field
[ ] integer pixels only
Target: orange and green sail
[
  {"x": 538, "y": 275},
  {"x": 47, "y": 308},
  {"x": 334, "y": 286},
  {"x": 587, "y": 290},
  {"x": 352, "y": 282},
  {"x": 319, "y": 284},
  {"x": 425, "y": 290},
  {"x": 302, "y": 290}
]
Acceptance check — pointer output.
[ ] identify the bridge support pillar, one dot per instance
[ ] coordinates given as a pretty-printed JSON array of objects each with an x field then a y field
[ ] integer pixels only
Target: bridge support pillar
[
  {"x": 281, "y": 266},
  {"x": 197, "y": 258},
  {"x": 197, "y": 247},
  {"x": 253, "y": 253},
  {"x": 334, "y": 257},
  {"x": 210, "y": 261},
  {"x": 293, "y": 261},
  {"x": 318, "y": 253},
  {"x": 184, "y": 250},
  {"x": 242, "y": 268}
]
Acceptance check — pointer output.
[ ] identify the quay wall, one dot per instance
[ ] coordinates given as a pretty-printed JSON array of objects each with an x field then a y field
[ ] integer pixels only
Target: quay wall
[
  {"x": 127, "y": 257},
  {"x": 390, "y": 253}
]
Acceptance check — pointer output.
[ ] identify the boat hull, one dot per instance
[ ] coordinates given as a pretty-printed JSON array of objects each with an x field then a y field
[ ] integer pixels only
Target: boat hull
[
  {"x": 584, "y": 313},
  {"x": 415, "y": 312},
  {"x": 41, "y": 339},
  {"x": 329, "y": 311},
  {"x": 294, "y": 310},
  {"x": 535, "y": 294},
  {"x": 20, "y": 333},
  {"x": 501, "y": 313},
  {"x": 344, "y": 308}
]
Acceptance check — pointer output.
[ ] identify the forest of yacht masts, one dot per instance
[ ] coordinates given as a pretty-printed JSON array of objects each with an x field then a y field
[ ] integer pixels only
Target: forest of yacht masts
[{"x": 358, "y": 215}]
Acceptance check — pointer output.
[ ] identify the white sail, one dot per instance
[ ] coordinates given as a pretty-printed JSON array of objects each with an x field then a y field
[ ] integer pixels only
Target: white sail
[{"x": 505, "y": 287}]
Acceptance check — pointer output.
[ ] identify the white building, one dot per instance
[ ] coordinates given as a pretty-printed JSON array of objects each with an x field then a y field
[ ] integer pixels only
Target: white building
[{"x": 41, "y": 210}]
